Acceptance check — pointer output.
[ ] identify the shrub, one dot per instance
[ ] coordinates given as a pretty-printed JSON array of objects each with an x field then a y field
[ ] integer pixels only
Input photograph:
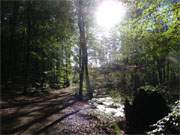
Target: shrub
[
  {"x": 168, "y": 124},
  {"x": 146, "y": 109}
]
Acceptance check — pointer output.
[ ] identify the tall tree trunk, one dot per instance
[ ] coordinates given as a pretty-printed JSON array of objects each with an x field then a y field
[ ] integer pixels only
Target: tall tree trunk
[
  {"x": 82, "y": 42},
  {"x": 10, "y": 73},
  {"x": 27, "y": 60},
  {"x": 83, "y": 52},
  {"x": 12, "y": 49}
]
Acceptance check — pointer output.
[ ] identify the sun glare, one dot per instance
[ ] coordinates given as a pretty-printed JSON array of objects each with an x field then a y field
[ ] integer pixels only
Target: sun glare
[{"x": 109, "y": 13}]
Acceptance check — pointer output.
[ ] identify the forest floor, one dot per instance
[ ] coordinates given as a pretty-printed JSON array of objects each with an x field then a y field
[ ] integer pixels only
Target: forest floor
[{"x": 58, "y": 113}]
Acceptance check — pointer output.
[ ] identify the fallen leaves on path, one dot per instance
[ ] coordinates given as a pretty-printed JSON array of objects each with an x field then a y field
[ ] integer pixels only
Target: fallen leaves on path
[{"x": 56, "y": 114}]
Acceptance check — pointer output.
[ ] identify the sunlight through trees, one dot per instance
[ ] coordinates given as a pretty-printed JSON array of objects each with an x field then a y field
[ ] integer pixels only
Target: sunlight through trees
[{"x": 113, "y": 64}]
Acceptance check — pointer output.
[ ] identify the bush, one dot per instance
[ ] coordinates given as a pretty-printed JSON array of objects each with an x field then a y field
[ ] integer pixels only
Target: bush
[
  {"x": 146, "y": 109},
  {"x": 169, "y": 124}
]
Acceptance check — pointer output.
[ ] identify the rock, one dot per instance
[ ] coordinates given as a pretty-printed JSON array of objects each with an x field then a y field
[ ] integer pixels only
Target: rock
[
  {"x": 107, "y": 106},
  {"x": 101, "y": 107},
  {"x": 120, "y": 112},
  {"x": 108, "y": 103}
]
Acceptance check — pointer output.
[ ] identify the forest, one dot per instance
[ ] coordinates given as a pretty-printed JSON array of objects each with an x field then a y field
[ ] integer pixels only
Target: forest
[{"x": 90, "y": 67}]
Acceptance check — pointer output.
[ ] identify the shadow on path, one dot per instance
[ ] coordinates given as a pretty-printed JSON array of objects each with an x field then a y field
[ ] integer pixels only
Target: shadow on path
[
  {"x": 27, "y": 118},
  {"x": 55, "y": 122}
]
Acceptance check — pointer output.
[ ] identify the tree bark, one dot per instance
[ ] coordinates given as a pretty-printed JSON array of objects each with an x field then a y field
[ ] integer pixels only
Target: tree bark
[
  {"x": 28, "y": 10},
  {"x": 82, "y": 42},
  {"x": 83, "y": 53}
]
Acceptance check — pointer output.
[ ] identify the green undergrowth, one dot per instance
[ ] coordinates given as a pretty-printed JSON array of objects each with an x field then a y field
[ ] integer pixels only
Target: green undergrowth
[
  {"x": 121, "y": 94},
  {"x": 169, "y": 94}
]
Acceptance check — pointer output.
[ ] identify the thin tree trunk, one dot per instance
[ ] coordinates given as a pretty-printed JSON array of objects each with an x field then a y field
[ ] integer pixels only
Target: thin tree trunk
[
  {"x": 88, "y": 86},
  {"x": 66, "y": 80},
  {"x": 81, "y": 75},
  {"x": 168, "y": 71}
]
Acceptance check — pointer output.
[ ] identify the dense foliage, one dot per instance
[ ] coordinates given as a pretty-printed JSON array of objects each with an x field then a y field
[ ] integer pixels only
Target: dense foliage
[
  {"x": 36, "y": 44},
  {"x": 150, "y": 42}
]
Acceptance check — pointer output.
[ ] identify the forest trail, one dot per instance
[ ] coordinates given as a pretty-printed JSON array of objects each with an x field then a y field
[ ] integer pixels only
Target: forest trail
[{"x": 57, "y": 113}]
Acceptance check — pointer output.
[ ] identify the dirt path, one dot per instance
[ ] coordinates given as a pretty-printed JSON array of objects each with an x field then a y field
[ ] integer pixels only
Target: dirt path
[{"x": 59, "y": 113}]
